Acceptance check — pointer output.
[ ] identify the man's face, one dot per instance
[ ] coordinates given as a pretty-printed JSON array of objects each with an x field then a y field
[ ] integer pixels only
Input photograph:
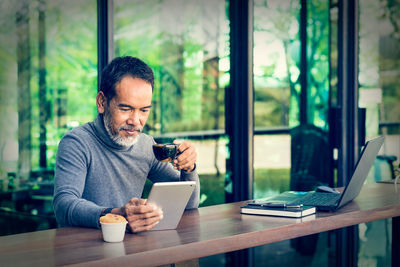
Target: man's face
[{"x": 127, "y": 113}]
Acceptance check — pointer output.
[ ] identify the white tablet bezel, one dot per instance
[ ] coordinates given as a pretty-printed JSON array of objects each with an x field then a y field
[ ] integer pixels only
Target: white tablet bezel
[{"x": 172, "y": 198}]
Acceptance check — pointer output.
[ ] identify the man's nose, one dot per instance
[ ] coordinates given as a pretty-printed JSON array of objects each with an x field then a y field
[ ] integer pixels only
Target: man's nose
[{"x": 134, "y": 118}]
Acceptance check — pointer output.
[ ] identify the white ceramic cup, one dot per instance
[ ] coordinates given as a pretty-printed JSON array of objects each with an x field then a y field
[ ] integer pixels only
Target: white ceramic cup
[{"x": 113, "y": 232}]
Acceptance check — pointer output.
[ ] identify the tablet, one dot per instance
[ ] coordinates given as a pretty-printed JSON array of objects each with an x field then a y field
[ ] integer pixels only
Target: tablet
[{"x": 172, "y": 198}]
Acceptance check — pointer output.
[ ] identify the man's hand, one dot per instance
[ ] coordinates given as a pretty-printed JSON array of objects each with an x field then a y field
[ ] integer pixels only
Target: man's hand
[
  {"x": 141, "y": 217},
  {"x": 187, "y": 158}
]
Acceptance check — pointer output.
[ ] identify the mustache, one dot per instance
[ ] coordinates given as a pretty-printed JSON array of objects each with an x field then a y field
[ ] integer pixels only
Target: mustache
[{"x": 130, "y": 128}]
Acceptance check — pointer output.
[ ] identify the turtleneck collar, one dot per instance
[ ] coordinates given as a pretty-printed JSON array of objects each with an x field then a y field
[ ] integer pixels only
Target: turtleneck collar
[{"x": 103, "y": 135}]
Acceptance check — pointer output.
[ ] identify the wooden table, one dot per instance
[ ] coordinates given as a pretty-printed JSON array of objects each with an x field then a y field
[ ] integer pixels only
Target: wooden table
[{"x": 203, "y": 232}]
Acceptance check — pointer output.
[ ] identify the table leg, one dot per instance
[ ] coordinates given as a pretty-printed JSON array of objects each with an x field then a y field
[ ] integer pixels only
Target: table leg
[
  {"x": 396, "y": 241},
  {"x": 347, "y": 246},
  {"x": 239, "y": 258}
]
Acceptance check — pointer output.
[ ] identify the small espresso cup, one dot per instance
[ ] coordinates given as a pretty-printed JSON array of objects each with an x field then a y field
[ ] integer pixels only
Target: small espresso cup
[{"x": 165, "y": 152}]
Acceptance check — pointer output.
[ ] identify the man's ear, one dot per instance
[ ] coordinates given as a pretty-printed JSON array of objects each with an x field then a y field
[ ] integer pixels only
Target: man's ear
[{"x": 101, "y": 102}]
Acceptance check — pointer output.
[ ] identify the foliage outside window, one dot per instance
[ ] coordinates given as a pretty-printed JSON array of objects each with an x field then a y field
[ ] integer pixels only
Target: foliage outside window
[
  {"x": 187, "y": 45},
  {"x": 380, "y": 64},
  {"x": 277, "y": 84},
  {"x": 277, "y": 47},
  {"x": 48, "y": 80}
]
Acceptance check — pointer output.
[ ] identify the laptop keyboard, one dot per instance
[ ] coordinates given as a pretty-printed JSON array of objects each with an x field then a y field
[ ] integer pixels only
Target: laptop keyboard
[{"x": 319, "y": 199}]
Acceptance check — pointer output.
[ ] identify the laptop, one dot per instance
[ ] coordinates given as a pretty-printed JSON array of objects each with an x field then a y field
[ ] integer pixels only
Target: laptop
[{"x": 334, "y": 201}]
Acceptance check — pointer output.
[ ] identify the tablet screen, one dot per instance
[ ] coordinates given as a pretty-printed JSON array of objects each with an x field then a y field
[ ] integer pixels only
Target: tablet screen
[{"x": 172, "y": 198}]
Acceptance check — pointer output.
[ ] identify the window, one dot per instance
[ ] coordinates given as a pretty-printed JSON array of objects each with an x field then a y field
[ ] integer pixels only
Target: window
[
  {"x": 48, "y": 81},
  {"x": 187, "y": 45},
  {"x": 278, "y": 87}
]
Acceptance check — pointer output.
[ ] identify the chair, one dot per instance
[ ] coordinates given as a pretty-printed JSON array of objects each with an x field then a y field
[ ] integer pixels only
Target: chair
[
  {"x": 311, "y": 166},
  {"x": 311, "y": 158}
]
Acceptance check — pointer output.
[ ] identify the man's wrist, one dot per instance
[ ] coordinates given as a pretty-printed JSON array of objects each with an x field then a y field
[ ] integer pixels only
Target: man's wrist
[
  {"x": 192, "y": 169},
  {"x": 106, "y": 211}
]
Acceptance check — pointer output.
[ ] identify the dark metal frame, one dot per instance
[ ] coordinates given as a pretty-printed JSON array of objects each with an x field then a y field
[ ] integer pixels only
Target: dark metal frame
[
  {"x": 348, "y": 88},
  {"x": 347, "y": 238},
  {"x": 303, "y": 64},
  {"x": 395, "y": 245},
  {"x": 215, "y": 134},
  {"x": 239, "y": 97},
  {"x": 105, "y": 35}
]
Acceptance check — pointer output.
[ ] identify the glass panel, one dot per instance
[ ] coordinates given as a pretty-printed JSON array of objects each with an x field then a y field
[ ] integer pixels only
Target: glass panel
[
  {"x": 276, "y": 91},
  {"x": 48, "y": 84},
  {"x": 318, "y": 62},
  {"x": 211, "y": 161},
  {"x": 379, "y": 94},
  {"x": 333, "y": 56},
  {"x": 187, "y": 45},
  {"x": 276, "y": 63},
  {"x": 299, "y": 155},
  {"x": 379, "y": 71},
  {"x": 277, "y": 79},
  {"x": 271, "y": 170}
]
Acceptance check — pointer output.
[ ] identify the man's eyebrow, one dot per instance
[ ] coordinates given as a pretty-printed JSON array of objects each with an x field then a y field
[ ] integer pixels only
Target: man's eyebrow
[{"x": 129, "y": 106}]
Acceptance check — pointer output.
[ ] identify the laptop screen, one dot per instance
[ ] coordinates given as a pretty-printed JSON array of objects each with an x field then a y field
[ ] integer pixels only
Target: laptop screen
[{"x": 364, "y": 164}]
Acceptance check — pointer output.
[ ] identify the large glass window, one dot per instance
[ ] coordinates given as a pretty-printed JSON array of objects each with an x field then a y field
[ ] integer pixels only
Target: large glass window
[
  {"x": 276, "y": 80},
  {"x": 291, "y": 94},
  {"x": 48, "y": 84},
  {"x": 279, "y": 89},
  {"x": 187, "y": 45},
  {"x": 379, "y": 94},
  {"x": 380, "y": 71}
]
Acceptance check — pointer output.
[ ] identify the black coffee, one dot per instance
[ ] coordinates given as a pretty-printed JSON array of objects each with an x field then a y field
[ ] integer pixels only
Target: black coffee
[{"x": 165, "y": 152}]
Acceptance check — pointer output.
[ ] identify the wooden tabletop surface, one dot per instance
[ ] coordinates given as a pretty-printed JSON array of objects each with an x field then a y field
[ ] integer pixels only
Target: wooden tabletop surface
[{"x": 203, "y": 232}]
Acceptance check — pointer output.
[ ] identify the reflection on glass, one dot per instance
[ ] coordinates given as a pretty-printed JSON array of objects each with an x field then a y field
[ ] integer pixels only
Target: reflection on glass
[
  {"x": 48, "y": 78},
  {"x": 48, "y": 84},
  {"x": 277, "y": 86},
  {"x": 318, "y": 62},
  {"x": 186, "y": 43},
  {"x": 379, "y": 66},
  {"x": 276, "y": 62},
  {"x": 278, "y": 92},
  {"x": 379, "y": 94}
]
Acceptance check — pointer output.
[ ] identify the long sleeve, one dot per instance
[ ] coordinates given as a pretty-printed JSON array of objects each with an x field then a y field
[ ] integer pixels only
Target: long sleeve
[
  {"x": 70, "y": 176},
  {"x": 194, "y": 200}
]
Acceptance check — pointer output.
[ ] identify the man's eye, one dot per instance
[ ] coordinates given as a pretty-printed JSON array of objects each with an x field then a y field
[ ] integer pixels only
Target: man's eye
[
  {"x": 125, "y": 109},
  {"x": 145, "y": 110}
]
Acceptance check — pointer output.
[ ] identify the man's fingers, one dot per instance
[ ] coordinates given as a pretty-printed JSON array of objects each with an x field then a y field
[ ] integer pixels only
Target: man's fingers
[
  {"x": 136, "y": 201},
  {"x": 186, "y": 162},
  {"x": 146, "y": 215},
  {"x": 131, "y": 210},
  {"x": 137, "y": 229},
  {"x": 140, "y": 216},
  {"x": 138, "y": 206},
  {"x": 188, "y": 157},
  {"x": 143, "y": 222}
]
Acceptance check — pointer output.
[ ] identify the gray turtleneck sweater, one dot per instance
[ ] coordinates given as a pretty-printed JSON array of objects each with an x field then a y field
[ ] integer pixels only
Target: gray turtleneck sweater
[{"x": 93, "y": 173}]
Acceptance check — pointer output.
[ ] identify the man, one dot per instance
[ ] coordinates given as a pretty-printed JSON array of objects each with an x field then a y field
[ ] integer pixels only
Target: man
[{"x": 102, "y": 166}]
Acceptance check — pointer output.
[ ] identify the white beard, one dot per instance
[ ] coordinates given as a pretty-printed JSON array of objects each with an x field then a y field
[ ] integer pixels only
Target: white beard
[{"x": 115, "y": 137}]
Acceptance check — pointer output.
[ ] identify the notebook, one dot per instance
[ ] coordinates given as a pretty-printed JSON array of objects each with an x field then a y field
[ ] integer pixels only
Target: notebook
[
  {"x": 297, "y": 212},
  {"x": 334, "y": 201}
]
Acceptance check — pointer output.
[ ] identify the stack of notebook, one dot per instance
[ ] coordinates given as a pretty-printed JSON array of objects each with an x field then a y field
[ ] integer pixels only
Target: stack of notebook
[{"x": 276, "y": 209}]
